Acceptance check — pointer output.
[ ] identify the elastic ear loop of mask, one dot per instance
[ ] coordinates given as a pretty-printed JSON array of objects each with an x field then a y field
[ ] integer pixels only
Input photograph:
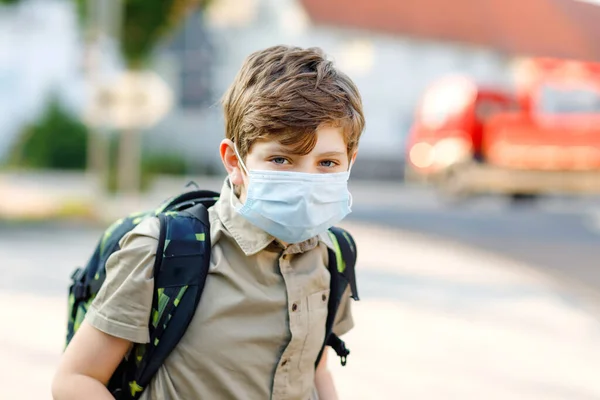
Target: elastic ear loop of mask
[
  {"x": 351, "y": 199},
  {"x": 229, "y": 177},
  {"x": 240, "y": 160}
]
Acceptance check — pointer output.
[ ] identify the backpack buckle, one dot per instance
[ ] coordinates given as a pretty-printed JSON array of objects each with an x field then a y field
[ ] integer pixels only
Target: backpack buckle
[
  {"x": 78, "y": 274},
  {"x": 339, "y": 346},
  {"x": 80, "y": 287},
  {"x": 343, "y": 354},
  {"x": 80, "y": 291}
]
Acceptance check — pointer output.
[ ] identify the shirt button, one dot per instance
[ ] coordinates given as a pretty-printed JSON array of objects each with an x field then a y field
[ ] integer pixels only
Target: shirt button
[
  {"x": 294, "y": 307},
  {"x": 283, "y": 364},
  {"x": 324, "y": 297}
]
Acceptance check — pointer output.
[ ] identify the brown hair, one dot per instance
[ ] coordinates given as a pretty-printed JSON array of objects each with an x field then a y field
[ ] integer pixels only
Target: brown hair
[{"x": 285, "y": 93}]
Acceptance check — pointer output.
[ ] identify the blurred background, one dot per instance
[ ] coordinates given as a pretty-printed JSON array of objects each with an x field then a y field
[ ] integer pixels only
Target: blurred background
[{"x": 476, "y": 191}]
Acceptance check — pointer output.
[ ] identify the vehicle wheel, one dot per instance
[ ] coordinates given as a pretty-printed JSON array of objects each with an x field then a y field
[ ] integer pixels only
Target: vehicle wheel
[{"x": 523, "y": 198}]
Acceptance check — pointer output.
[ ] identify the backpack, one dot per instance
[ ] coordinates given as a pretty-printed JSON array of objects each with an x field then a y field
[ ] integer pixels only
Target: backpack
[{"x": 180, "y": 272}]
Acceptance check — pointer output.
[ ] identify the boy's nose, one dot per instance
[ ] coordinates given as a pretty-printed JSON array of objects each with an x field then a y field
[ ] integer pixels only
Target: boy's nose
[{"x": 308, "y": 170}]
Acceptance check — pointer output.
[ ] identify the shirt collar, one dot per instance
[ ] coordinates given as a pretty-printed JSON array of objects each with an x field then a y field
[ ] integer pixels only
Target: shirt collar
[{"x": 250, "y": 238}]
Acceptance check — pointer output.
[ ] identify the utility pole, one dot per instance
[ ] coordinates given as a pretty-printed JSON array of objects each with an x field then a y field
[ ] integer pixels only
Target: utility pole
[
  {"x": 130, "y": 102},
  {"x": 103, "y": 22}
]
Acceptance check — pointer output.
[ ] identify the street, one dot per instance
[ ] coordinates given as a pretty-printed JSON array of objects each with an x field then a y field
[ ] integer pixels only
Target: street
[
  {"x": 558, "y": 236},
  {"x": 479, "y": 301}
]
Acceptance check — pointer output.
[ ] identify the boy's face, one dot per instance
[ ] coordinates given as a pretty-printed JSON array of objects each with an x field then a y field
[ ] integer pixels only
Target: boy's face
[{"x": 328, "y": 156}]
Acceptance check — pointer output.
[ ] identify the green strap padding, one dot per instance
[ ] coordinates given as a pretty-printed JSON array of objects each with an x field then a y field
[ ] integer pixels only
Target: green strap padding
[
  {"x": 135, "y": 388},
  {"x": 179, "y": 296},
  {"x": 163, "y": 300},
  {"x": 341, "y": 265},
  {"x": 71, "y": 305},
  {"x": 347, "y": 237},
  {"x": 140, "y": 350},
  {"x": 82, "y": 310}
]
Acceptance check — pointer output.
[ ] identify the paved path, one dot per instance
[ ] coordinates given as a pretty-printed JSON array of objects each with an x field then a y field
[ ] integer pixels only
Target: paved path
[
  {"x": 436, "y": 321},
  {"x": 559, "y": 236}
]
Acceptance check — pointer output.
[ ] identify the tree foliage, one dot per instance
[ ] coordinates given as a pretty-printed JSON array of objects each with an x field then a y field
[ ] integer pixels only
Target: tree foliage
[
  {"x": 57, "y": 140},
  {"x": 145, "y": 23}
]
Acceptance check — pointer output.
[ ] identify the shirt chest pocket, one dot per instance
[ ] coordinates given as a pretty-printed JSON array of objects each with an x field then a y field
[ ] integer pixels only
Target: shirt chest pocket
[{"x": 317, "y": 318}]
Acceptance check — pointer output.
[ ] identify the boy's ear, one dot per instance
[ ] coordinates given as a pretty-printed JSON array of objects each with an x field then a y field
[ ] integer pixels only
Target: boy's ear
[
  {"x": 353, "y": 158},
  {"x": 231, "y": 162}
]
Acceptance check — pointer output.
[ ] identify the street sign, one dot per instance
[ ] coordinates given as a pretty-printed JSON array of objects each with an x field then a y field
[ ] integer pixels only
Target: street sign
[{"x": 134, "y": 100}]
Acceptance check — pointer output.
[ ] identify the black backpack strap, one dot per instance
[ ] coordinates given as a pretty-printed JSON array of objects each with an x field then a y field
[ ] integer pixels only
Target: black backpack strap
[
  {"x": 188, "y": 199},
  {"x": 180, "y": 272},
  {"x": 341, "y": 267},
  {"x": 346, "y": 257}
]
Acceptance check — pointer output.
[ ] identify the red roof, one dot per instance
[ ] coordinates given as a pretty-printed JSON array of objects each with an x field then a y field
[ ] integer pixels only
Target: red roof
[{"x": 552, "y": 28}]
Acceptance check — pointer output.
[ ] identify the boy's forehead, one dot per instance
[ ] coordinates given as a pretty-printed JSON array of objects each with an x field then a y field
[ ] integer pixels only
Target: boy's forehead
[{"x": 328, "y": 140}]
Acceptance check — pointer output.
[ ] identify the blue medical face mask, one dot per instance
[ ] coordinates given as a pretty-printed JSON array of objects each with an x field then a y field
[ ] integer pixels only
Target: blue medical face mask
[{"x": 294, "y": 206}]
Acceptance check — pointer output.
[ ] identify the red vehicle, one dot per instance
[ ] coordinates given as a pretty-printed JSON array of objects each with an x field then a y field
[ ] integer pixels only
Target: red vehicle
[{"x": 543, "y": 138}]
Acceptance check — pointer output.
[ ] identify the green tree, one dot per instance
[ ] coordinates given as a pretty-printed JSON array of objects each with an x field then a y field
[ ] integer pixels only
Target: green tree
[
  {"x": 57, "y": 140},
  {"x": 145, "y": 23}
]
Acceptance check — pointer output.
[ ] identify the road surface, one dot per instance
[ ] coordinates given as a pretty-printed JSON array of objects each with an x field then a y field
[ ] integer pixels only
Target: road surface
[
  {"x": 435, "y": 320},
  {"x": 559, "y": 236}
]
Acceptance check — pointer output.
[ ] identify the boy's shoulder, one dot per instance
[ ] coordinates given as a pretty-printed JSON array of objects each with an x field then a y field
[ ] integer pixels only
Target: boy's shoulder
[{"x": 147, "y": 231}]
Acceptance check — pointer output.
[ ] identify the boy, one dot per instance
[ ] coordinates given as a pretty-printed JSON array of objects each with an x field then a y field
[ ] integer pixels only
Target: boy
[{"x": 292, "y": 124}]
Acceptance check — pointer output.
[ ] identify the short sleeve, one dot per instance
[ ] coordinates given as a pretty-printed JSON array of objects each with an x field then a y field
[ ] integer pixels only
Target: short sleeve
[
  {"x": 343, "y": 321},
  {"x": 123, "y": 305}
]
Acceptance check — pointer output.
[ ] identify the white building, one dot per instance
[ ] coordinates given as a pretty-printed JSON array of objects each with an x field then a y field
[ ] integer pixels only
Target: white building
[
  {"x": 39, "y": 49},
  {"x": 391, "y": 73}
]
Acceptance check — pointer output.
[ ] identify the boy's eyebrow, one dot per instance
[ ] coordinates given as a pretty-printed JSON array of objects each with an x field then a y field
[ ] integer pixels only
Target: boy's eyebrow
[
  {"x": 281, "y": 149},
  {"x": 332, "y": 154}
]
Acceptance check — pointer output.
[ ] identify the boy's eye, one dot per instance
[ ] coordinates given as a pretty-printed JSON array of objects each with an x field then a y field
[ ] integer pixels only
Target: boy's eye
[
  {"x": 279, "y": 160},
  {"x": 328, "y": 163}
]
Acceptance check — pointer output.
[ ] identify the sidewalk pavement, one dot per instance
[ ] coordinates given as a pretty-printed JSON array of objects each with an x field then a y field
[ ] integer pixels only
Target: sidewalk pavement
[
  {"x": 434, "y": 322},
  {"x": 43, "y": 195}
]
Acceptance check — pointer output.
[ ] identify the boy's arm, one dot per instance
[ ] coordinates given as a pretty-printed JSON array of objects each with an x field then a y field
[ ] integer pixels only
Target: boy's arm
[
  {"x": 324, "y": 380},
  {"x": 88, "y": 363},
  {"x": 342, "y": 324}
]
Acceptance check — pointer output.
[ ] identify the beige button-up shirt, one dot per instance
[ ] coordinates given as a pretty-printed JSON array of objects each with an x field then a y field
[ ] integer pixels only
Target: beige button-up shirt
[{"x": 260, "y": 323}]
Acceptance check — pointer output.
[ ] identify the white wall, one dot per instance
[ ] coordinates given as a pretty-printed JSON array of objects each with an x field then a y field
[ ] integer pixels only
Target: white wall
[
  {"x": 390, "y": 71},
  {"x": 39, "y": 49}
]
